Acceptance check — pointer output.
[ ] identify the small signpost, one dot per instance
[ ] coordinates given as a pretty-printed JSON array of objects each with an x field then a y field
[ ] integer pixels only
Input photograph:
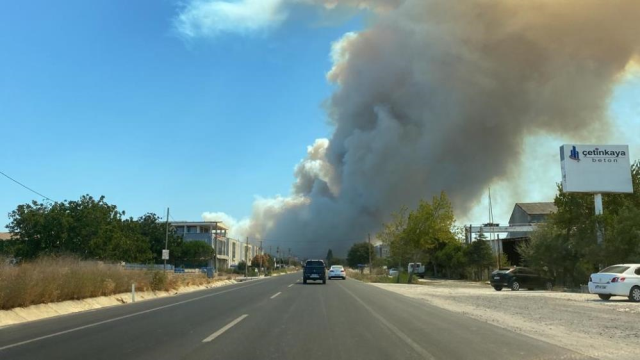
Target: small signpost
[{"x": 165, "y": 254}]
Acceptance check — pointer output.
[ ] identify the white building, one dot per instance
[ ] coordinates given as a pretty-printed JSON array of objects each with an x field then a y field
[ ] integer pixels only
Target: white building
[{"x": 229, "y": 252}]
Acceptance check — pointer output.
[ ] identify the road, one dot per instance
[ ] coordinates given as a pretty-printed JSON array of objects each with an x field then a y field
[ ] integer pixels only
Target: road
[{"x": 274, "y": 318}]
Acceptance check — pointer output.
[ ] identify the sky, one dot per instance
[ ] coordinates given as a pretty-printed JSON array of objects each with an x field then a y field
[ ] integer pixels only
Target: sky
[
  {"x": 199, "y": 105},
  {"x": 110, "y": 98}
]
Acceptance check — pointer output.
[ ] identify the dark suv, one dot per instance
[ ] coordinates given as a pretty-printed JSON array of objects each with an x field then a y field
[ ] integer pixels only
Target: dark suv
[
  {"x": 519, "y": 278},
  {"x": 314, "y": 270}
]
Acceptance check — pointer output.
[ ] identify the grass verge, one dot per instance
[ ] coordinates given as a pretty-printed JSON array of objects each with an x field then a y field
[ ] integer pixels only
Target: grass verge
[{"x": 54, "y": 279}]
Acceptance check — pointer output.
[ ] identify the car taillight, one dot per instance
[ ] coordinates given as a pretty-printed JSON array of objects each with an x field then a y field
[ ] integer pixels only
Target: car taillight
[
  {"x": 341, "y": 271},
  {"x": 615, "y": 279},
  {"x": 622, "y": 279}
]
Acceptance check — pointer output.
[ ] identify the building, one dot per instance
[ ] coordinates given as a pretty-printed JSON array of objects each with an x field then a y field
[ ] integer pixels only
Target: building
[
  {"x": 529, "y": 213},
  {"x": 524, "y": 219},
  {"x": 524, "y": 214},
  {"x": 229, "y": 252}
]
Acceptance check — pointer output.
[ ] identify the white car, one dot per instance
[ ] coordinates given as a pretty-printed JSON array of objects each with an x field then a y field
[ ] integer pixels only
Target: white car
[
  {"x": 617, "y": 280},
  {"x": 337, "y": 271},
  {"x": 393, "y": 272}
]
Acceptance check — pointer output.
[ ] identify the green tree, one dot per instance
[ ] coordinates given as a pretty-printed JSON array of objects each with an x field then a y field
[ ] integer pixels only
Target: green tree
[
  {"x": 84, "y": 227},
  {"x": 479, "y": 256},
  {"x": 242, "y": 265},
  {"x": 429, "y": 227},
  {"x": 481, "y": 235},
  {"x": 329, "y": 256},
  {"x": 392, "y": 235},
  {"x": 452, "y": 258},
  {"x": 196, "y": 253},
  {"x": 153, "y": 228},
  {"x": 622, "y": 244},
  {"x": 359, "y": 254}
]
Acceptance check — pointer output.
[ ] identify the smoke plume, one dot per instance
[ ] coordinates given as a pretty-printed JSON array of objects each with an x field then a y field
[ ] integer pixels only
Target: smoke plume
[{"x": 440, "y": 95}]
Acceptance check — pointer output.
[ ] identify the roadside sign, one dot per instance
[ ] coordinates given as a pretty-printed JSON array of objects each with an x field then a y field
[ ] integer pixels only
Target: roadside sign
[
  {"x": 596, "y": 168},
  {"x": 165, "y": 254}
]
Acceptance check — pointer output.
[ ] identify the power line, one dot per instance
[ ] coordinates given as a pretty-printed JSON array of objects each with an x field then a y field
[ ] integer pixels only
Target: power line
[{"x": 25, "y": 186}]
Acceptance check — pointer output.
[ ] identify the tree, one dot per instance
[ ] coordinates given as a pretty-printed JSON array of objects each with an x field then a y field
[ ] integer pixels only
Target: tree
[
  {"x": 479, "y": 256},
  {"x": 263, "y": 260},
  {"x": 329, "y": 256},
  {"x": 359, "y": 254},
  {"x": 242, "y": 265},
  {"x": 392, "y": 235},
  {"x": 622, "y": 245},
  {"x": 196, "y": 253},
  {"x": 481, "y": 235},
  {"x": 154, "y": 229},
  {"x": 428, "y": 227},
  {"x": 452, "y": 258}
]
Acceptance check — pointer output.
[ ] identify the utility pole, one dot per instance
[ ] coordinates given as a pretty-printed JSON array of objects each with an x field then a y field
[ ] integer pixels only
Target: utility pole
[
  {"x": 369, "y": 248},
  {"x": 246, "y": 250},
  {"x": 166, "y": 239},
  {"x": 260, "y": 252}
]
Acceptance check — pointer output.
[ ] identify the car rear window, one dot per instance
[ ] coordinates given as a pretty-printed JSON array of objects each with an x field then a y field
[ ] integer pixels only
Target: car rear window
[
  {"x": 336, "y": 267},
  {"x": 313, "y": 263},
  {"x": 616, "y": 269}
]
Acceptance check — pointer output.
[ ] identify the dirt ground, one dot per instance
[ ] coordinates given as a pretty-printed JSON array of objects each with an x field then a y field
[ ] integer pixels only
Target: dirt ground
[{"x": 580, "y": 322}]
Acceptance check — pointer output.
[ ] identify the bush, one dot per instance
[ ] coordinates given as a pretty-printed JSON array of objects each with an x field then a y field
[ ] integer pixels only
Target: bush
[{"x": 159, "y": 281}]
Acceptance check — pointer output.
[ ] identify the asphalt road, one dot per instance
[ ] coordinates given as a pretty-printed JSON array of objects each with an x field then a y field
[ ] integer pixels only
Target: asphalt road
[{"x": 275, "y": 318}]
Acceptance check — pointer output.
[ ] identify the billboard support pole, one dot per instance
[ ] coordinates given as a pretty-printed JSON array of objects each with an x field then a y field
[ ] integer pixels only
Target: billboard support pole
[
  {"x": 598, "y": 202},
  {"x": 597, "y": 199}
]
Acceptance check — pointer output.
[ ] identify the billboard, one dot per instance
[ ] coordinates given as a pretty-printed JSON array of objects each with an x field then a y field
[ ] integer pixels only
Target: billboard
[{"x": 596, "y": 168}]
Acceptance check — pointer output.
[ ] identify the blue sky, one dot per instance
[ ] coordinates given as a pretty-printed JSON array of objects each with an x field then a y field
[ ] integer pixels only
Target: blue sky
[{"x": 106, "y": 98}]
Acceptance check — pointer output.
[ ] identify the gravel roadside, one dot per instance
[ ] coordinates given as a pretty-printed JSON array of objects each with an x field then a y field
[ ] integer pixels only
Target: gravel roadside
[{"x": 580, "y": 322}]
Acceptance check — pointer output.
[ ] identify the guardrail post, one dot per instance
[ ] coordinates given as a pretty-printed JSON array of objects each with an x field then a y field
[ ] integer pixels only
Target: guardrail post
[{"x": 133, "y": 292}]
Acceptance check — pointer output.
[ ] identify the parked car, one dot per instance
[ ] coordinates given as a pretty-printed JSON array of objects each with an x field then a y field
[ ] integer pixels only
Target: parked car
[
  {"x": 617, "y": 280},
  {"x": 337, "y": 271},
  {"x": 393, "y": 272},
  {"x": 314, "y": 270},
  {"x": 519, "y": 278}
]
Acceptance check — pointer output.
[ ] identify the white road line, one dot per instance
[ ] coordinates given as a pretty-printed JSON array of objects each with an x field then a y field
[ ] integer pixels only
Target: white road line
[
  {"x": 291, "y": 285},
  {"x": 424, "y": 354},
  {"x": 121, "y": 317},
  {"x": 276, "y": 295},
  {"x": 225, "y": 328}
]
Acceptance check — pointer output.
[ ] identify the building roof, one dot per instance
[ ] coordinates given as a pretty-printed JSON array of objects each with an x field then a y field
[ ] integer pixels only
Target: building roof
[
  {"x": 538, "y": 208},
  {"x": 216, "y": 224},
  {"x": 5, "y": 236}
]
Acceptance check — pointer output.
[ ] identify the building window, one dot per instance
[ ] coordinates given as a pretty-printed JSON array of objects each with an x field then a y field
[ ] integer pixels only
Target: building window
[{"x": 234, "y": 250}]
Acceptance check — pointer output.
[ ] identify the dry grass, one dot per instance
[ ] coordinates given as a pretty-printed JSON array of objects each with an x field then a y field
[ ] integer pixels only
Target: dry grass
[
  {"x": 66, "y": 278},
  {"x": 381, "y": 278}
]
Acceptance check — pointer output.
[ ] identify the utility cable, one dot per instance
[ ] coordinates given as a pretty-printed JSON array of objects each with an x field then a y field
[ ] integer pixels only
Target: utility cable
[{"x": 25, "y": 186}]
